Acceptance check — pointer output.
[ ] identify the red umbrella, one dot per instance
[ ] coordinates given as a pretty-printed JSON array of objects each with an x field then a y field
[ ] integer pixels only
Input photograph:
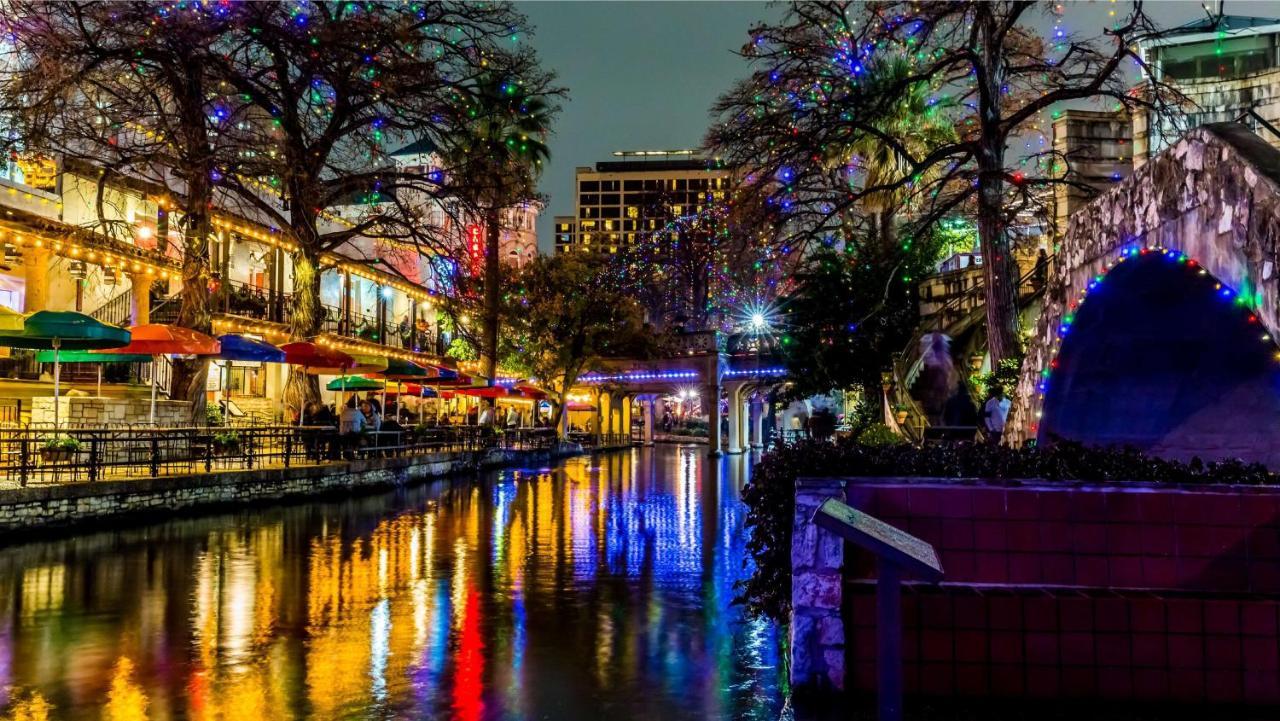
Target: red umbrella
[
  {"x": 157, "y": 339},
  {"x": 316, "y": 360},
  {"x": 486, "y": 392},
  {"x": 529, "y": 391}
]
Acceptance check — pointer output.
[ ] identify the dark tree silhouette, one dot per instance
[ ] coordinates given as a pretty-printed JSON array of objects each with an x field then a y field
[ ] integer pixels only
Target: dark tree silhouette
[{"x": 806, "y": 104}]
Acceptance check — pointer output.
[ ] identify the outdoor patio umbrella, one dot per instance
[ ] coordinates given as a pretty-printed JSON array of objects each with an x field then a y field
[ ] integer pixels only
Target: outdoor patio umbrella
[
  {"x": 236, "y": 347},
  {"x": 84, "y": 356},
  {"x": 399, "y": 370},
  {"x": 157, "y": 339},
  {"x": 485, "y": 392},
  {"x": 315, "y": 360},
  {"x": 365, "y": 363},
  {"x": 11, "y": 321},
  {"x": 354, "y": 383},
  {"x": 63, "y": 329}
]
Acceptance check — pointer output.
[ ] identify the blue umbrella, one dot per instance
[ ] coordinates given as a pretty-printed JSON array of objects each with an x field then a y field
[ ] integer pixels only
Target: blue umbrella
[
  {"x": 234, "y": 347},
  {"x": 241, "y": 348}
]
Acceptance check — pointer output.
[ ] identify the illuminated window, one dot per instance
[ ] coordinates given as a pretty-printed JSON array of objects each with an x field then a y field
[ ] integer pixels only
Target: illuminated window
[{"x": 633, "y": 212}]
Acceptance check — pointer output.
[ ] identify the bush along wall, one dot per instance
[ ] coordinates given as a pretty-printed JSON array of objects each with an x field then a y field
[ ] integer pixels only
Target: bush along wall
[{"x": 770, "y": 497}]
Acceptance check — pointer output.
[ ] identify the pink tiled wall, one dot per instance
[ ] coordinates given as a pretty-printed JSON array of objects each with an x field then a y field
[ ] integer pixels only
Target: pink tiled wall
[{"x": 1082, "y": 592}]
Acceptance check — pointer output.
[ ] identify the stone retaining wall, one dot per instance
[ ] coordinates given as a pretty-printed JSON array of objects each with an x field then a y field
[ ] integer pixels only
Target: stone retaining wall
[
  {"x": 53, "y": 506},
  {"x": 95, "y": 412}
]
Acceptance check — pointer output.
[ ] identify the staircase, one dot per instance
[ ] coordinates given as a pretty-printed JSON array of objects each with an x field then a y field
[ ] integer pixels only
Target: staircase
[
  {"x": 116, "y": 311},
  {"x": 957, "y": 316}
]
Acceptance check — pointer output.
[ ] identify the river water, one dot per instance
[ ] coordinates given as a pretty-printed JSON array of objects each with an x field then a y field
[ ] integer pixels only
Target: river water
[{"x": 600, "y": 588}]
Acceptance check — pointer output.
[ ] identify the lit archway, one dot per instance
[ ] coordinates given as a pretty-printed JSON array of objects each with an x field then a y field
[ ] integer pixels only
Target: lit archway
[{"x": 1161, "y": 356}]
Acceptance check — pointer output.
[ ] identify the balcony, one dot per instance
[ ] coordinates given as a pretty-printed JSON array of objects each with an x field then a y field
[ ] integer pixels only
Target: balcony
[{"x": 250, "y": 302}]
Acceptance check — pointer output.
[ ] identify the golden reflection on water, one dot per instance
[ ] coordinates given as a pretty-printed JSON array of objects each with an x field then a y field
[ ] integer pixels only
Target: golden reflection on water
[{"x": 346, "y": 610}]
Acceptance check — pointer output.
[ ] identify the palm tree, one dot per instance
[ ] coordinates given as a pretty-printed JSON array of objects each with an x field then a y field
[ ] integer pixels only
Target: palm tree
[
  {"x": 498, "y": 160},
  {"x": 918, "y": 120}
]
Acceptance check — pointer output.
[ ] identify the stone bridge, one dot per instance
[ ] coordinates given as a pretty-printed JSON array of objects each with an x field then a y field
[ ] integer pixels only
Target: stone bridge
[
  {"x": 1159, "y": 318},
  {"x": 742, "y": 380}
]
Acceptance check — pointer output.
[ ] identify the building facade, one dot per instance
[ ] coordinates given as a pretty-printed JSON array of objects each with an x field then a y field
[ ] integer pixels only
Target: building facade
[
  {"x": 619, "y": 203},
  {"x": 1228, "y": 67}
]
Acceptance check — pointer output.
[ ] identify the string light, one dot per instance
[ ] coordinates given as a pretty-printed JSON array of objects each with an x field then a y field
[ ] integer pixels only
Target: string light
[{"x": 1046, "y": 372}]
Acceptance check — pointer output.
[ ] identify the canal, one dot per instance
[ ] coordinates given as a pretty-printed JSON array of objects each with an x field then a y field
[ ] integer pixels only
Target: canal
[{"x": 600, "y": 588}]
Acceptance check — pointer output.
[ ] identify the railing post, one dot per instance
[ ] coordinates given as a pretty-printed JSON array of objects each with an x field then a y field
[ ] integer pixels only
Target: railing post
[
  {"x": 24, "y": 460},
  {"x": 155, "y": 451},
  {"x": 288, "y": 446},
  {"x": 93, "y": 459},
  {"x": 249, "y": 448},
  {"x": 208, "y": 456}
]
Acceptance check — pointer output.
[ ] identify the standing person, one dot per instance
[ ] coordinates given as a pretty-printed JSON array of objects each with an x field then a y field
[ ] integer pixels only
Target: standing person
[
  {"x": 994, "y": 414},
  {"x": 350, "y": 425},
  {"x": 486, "y": 417}
]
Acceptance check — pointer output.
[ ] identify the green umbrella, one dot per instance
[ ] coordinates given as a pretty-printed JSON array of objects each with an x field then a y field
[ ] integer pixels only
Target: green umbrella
[
  {"x": 353, "y": 383},
  {"x": 58, "y": 329},
  {"x": 84, "y": 356}
]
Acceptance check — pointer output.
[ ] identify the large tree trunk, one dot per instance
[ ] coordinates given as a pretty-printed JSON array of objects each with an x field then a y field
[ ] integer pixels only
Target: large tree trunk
[
  {"x": 190, "y": 375},
  {"x": 492, "y": 293},
  {"x": 999, "y": 269},
  {"x": 305, "y": 321}
]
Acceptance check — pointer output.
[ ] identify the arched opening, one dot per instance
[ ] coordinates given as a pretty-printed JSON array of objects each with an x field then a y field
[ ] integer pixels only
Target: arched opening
[{"x": 1163, "y": 358}]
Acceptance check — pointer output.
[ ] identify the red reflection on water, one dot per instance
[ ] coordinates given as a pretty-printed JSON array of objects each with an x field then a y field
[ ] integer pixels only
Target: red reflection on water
[{"x": 468, "y": 682}]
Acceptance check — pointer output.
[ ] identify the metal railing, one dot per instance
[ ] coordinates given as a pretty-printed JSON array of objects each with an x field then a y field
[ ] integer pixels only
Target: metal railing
[
  {"x": 116, "y": 311},
  {"x": 30, "y": 456}
]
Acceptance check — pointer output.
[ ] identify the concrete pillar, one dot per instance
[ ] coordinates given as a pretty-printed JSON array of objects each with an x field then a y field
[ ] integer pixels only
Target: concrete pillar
[
  {"x": 602, "y": 413},
  {"x": 141, "y": 311},
  {"x": 734, "y": 392},
  {"x": 817, "y": 587},
  {"x": 647, "y": 406},
  {"x": 36, "y": 272},
  {"x": 757, "y": 423},
  {"x": 712, "y": 397},
  {"x": 625, "y": 412}
]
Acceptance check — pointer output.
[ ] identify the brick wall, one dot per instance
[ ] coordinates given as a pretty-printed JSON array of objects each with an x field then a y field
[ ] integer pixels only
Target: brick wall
[{"x": 1111, "y": 592}]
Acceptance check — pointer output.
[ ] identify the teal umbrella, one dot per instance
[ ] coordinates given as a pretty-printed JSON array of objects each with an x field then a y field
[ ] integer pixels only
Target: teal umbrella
[
  {"x": 83, "y": 356},
  {"x": 64, "y": 329}
]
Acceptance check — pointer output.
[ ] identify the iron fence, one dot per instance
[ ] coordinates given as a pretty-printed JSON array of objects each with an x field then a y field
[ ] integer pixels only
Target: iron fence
[{"x": 38, "y": 454}]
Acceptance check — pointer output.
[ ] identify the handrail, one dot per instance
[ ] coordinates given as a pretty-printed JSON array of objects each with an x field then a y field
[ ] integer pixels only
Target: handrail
[{"x": 115, "y": 311}]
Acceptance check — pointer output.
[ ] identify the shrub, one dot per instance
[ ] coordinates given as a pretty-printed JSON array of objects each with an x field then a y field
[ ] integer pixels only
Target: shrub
[
  {"x": 213, "y": 414},
  {"x": 62, "y": 443},
  {"x": 878, "y": 434},
  {"x": 226, "y": 439},
  {"x": 770, "y": 497}
]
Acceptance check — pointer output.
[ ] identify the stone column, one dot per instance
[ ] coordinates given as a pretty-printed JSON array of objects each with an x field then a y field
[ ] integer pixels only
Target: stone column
[
  {"x": 140, "y": 313},
  {"x": 36, "y": 272},
  {"x": 733, "y": 392},
  {"x": 756, "y": 423},
  {"x": 649, "y": 419},
  {"x": 817, "y": 585},
  {"x": 625, "y": 414},
  {"x": 712, "y": 396}
]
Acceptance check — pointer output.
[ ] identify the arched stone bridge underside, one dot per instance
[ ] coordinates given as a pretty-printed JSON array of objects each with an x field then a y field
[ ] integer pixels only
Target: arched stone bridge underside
[{"x": 1158, "y": 323}]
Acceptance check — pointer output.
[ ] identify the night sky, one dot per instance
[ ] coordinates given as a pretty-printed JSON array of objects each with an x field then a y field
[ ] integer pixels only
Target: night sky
[{"x": 643, "y": 75}]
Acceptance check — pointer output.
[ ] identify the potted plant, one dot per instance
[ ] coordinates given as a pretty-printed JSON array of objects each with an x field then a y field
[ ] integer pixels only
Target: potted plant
[
  {"x": 59, "y": 449},
  {"x": 226, "y": 443}
]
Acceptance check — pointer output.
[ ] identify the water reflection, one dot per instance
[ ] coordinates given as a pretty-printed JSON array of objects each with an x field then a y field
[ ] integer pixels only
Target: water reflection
[{"x": 601, "y": 587}]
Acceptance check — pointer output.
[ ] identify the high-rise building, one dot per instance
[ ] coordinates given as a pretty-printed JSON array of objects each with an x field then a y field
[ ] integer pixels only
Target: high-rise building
[{"x": 621, "y": 202}]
